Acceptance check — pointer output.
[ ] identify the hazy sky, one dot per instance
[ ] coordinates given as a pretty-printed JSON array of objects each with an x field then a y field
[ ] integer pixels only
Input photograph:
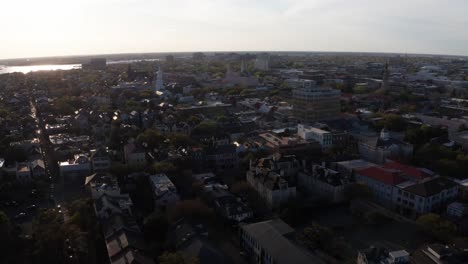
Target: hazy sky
[{"x": 69, "y": 27}]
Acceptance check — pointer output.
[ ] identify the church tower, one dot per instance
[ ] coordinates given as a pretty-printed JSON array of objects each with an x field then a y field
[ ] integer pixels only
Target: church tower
[
  {"x": 386, "y": 76},
  {"x": 242, "y": 67}
]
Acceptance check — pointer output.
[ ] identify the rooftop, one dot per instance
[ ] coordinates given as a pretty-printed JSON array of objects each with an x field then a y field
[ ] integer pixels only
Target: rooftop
[{"x": 270, "y": 235}]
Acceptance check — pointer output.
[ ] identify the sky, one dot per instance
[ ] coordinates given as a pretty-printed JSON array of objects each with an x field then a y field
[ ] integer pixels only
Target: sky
[{"x": 37, "y": 28}]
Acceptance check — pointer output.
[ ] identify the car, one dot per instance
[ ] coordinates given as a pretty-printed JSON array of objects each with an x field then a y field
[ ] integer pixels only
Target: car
[
  {"x": 31, "y": 207},
  {"x": 20, "y": 215}
]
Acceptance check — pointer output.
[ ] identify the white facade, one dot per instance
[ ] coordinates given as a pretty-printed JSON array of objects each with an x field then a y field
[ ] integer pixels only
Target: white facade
[
  {"x": 300, "y": 83},
  {"x": 423, "y": 204},
  {"x": 325, "y": 138},
  {"x": 262, "y": 62},
  {"x": 79, "y": 166},
  {"x": 159, "y": 80}
]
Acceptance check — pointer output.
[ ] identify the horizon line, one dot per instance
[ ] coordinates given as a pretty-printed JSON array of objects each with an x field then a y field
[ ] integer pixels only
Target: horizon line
[{"x": 229, "y": 51}]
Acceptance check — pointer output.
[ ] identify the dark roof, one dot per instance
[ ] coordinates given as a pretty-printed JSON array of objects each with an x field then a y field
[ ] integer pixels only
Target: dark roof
[
  {"x": 270, "y": 235},
  {"x": 431, "y": 187},
  {"x": 389, "y": 142},
  {"x": 375, "y": 255},
  {"x": 191, "y": 240}
]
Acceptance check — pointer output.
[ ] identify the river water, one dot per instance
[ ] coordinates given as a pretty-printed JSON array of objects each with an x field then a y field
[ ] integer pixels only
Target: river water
[{"x": 55, "y": 67}]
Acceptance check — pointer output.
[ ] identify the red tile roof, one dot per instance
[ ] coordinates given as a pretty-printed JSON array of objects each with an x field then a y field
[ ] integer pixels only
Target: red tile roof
[
  {"x": 387, "y": 176},
  {"x": 413, "y": 172}
]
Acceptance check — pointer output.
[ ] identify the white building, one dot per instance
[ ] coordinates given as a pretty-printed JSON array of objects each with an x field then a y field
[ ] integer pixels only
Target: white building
[
  {"x": 262, "y": 62},
  {"x": 426, "y": 196},
  {"x": 164, "y": 192},
  {"x": 76, "y": 167},
  {"x": 325, "y": 138},
  {"x": 159, "y": 80},
  {"x": 100, "y": 160},
  {"x": 300, "y": 83}
]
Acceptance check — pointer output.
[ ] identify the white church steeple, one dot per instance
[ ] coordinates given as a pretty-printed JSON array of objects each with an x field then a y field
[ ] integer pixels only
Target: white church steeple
[{"x": 159, "y": 80}]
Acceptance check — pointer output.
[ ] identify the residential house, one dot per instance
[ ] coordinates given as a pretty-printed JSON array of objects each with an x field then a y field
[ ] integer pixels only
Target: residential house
[
  {"x": 222, "y": 156},
  {"x": 134, "y": 154},
  {"x": 77, "y": 167},
  {"x": 123, "y": 238},
  {"x": 439, "y": 254},
  {"x": 323, "y": 181},
  {"x": 275, "y": 189},
  {"x": 374, "y": 255},
  {"x": 191, "y": 240},
  {"x": 164, "y": 192},
  {"x": 38, "y": 168},
  {"x": 379, "y": 149},
  {"x": 23, "y": 172},
  {"x": 100, "y": 160},
  {"x": 227, "y": 205}
]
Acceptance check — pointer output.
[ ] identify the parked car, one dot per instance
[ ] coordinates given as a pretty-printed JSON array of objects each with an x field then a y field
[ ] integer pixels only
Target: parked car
[{"x": 20, "y": 215}]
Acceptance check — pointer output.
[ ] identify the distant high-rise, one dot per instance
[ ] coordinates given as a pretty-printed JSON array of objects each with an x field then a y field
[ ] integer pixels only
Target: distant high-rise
[
  {"x": 386, "y": 76},
  {"x": 170, "y": 58},
  {"x": 95, "y": 64},
  {"x": 262, "y": 62},
  {"x": 198, "y": 56},
  {"x": 314, "y": 103},
  {"x": 242, "y": 67},
  {"x": 159, "y": 80}
]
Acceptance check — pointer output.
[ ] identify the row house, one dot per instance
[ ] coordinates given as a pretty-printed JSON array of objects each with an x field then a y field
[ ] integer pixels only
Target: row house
[
  {"x": 123, "y": 238},
  {"x": 323, "y": 181},
  {"x": 275, "y": 189},
  {"x": 164, "y": 191}
]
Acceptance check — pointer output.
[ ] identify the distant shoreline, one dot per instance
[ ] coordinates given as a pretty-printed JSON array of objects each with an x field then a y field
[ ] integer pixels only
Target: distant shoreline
[{"x": 78, "y": 59}]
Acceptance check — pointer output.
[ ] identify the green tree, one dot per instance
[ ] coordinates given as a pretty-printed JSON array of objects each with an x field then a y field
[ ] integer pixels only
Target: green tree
[
  {"x": 441, "y": 229},
  {"x": 5, "y": 229},
  {"x": 191, "y": 209},
  {"x": 208, "y": 128},
  {"x": 462, "y": 128},
  {"x": 393, "y": 122},
  {"x": 151, "y": 139},
  {"x": 164, "y": 167},
  {"x": 180, "y": 140}
]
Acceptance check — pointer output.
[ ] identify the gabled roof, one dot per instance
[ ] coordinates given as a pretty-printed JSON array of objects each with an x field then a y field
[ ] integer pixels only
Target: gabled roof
[
  {"x": 37, "y": 163},
  {"x": 381, "y": 174}
]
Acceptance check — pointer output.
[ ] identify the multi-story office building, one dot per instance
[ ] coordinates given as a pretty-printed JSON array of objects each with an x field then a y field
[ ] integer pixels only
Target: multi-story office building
[{"x": 314, "y": 103}]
